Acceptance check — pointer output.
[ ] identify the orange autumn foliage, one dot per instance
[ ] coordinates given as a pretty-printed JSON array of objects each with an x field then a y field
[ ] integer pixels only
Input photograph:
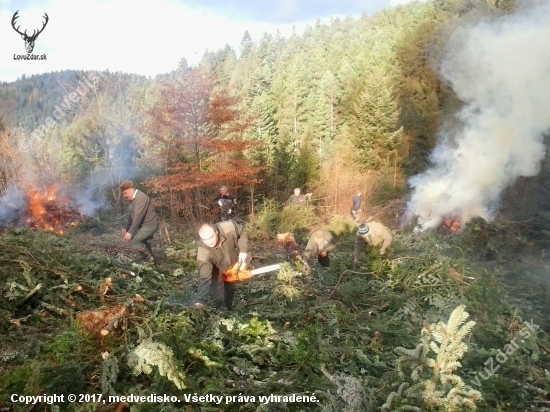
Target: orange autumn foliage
[{"x": 195, "y": 135}]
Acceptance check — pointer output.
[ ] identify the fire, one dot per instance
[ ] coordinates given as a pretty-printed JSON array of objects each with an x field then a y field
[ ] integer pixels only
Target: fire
[
  {"x": 45, "y": 211},
  {"x": 450, "y": 226}
]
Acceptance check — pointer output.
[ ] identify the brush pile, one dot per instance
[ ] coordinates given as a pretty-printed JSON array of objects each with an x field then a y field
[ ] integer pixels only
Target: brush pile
[{"x": 76, "y": 319}]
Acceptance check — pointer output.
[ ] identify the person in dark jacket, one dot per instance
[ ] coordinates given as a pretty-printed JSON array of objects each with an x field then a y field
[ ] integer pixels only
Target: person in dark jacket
[
  {"x": 221, "y": 246},
  {"x": 320, "y": 243},
  {"x": 142, "y": 221},
  {"x": 356, "y": 205},
  {"x": 227, "y": 203}
]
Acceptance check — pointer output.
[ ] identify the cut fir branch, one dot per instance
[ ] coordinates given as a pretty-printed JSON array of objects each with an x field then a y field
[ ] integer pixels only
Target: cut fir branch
[{"x": 446, "y": 341}]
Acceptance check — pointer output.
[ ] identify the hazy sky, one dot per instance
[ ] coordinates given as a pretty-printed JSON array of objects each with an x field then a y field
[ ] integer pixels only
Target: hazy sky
[{"x": 150, "y": 38}]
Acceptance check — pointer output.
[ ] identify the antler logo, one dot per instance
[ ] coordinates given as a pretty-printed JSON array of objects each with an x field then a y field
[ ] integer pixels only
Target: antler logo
[{"x": 29, "y": 40}]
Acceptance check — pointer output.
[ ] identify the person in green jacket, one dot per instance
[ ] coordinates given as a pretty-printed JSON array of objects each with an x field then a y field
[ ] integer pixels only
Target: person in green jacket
[
  {"x": 320, "y": 243},
  {"x": 297, "y": 199},
  {"x": 142, "y": 221},
  {"x": 371, "y": 234},
  {"x": 221, "y": 246}
]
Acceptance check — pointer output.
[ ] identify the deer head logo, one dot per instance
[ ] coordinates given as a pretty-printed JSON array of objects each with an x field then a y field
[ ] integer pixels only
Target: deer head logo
[{"x": 29, "y": 40}]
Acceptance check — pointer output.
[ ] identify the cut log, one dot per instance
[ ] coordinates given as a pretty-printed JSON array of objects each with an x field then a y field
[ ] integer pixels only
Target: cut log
[
  {"x": 101, "y": 322},
  {"x": 114, "y": 321}
]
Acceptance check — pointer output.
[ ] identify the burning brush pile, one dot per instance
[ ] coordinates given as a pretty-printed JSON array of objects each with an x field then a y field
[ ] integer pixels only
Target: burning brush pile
[
  {"x": 450, "y": 226},
  {"x": 39, "y": 210}
]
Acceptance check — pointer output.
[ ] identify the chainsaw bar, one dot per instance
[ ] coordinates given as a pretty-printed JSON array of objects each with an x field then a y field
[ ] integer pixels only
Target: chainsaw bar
[{"x": 265, "y": 269}]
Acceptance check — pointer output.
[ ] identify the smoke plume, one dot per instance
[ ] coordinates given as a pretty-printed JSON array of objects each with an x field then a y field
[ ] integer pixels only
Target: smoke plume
[
  {"x": 88, "y": 196},
  {"x": 43, "y": 154},
  {"x": 11, "y": 203},
  {"x": 501, "y": 71}
]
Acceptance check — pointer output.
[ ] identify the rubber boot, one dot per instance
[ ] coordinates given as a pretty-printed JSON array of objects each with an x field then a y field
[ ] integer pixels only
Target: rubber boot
[
  {"x": 146, "y": 255},
  {"x": 151, "y": 258}
]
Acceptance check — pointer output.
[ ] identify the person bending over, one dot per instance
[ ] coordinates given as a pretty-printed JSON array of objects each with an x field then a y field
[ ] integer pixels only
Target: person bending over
[{"x": 220, "y": 247}]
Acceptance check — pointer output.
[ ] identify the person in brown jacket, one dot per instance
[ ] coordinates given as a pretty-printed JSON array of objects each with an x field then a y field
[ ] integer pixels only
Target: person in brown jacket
[
  {"x": 221, "y": 246},
  {"x": 320, "y": 243},
  {"x": 371, "y": 234},
  {"x": 142, "y": 221}
]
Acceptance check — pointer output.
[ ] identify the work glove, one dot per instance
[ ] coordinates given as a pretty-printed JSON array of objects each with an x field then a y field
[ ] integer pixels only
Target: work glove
[
  {"x": 242, "y": 260},
  {"x": 220, "y": 203}
]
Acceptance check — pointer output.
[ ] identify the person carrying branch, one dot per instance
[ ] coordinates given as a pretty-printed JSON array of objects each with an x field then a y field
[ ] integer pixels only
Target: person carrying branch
[
  {"x": 320, "y": 243},
  {"x": 227, "y": 203},
  {"x": 371, "y": 234},
  {"x": 221, "y": 246},
  {"x": 142, "y": 221}
]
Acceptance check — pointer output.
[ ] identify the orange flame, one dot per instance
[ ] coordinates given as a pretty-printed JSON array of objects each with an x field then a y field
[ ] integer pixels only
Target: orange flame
[
  {"x": 46, "y": 212},
  {"x": 450, "y": 226}
]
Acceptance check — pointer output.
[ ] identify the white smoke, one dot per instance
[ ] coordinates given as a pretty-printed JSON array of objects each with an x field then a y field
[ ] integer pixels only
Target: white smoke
[
  {"x": 88, "y": 196},
  {"x": 501, "y": 71},
  {"x": 91, "y": 195},
  {"x": 12, "y": 203},
  {"x": 43, "y": 149}
]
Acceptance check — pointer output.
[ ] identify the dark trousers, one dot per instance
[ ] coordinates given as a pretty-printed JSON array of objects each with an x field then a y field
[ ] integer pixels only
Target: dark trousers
[
  {"x": 222, "y": 292},
  {"x": 323, "y": 261}
]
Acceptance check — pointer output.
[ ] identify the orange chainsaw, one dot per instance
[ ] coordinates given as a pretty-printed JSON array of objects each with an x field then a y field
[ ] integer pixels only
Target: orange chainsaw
[{"x": 236, "y": 275}]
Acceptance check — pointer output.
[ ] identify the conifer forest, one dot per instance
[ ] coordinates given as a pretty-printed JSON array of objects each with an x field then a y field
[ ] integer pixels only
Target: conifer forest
[{"x": 437, "y": 112}]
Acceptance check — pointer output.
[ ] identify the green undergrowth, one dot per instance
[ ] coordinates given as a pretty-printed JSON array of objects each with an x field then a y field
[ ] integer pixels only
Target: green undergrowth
[
  {"x": 332, "y": 334},
  {"x": 272, "y": 219}
]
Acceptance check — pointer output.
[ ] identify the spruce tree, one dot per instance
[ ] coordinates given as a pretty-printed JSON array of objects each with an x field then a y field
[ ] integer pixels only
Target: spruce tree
[{"x": 377, "y": 124}]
